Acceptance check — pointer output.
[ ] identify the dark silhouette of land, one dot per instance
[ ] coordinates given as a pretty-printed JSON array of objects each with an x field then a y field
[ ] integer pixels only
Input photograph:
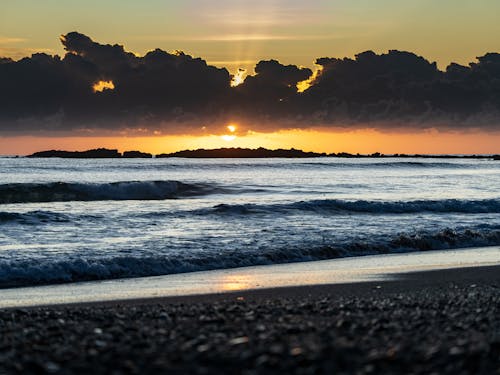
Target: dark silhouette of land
[
  {"x": 220, "y": 153},
  {"x": 242, "y": 153},
  {"x": 136, "y": 154},
  {"x": 98, "y": 153}
]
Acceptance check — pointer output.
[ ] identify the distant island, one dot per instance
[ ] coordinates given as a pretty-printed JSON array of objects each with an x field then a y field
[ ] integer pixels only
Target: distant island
[
  {"x": 103, "y": 153},
  {"x": 242, "y": 153},
  {"x": 98, "y": 153}
]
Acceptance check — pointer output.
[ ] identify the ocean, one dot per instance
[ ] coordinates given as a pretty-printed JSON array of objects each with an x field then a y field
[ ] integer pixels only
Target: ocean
[{"x": 70, "y": 220}]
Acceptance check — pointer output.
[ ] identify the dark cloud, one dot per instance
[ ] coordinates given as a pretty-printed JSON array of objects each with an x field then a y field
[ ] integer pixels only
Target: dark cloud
[
  {"x": 157, "y": 91},
  {"x": 402, "y": 88},
  {"x": 266, "y": 94},
  {"x": 177, "y": 93}
]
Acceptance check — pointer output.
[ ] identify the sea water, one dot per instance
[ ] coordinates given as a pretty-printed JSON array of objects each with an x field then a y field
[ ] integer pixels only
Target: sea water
[{"x": 67, "y": 220}]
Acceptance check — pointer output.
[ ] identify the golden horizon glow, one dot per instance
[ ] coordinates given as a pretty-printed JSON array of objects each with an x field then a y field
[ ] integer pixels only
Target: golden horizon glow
[
  {"x": 362, "y": 141},
  {"x": 237, "y": 35},
  {"x": 103, "y": 85},
  {"x": 228, "y": 138}
]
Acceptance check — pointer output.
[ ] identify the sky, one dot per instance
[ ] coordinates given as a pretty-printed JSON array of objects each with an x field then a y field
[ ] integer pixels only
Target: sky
[{"x": 237, "y": 34}]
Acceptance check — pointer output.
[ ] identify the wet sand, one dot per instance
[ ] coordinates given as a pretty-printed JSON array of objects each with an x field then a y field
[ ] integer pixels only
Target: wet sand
[
  {"x": 445, "y": 321},
  {"x": 334, "y": 271}
]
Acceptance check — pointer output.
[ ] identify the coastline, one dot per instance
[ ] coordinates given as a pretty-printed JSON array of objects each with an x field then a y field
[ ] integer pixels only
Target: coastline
[
  {"x": 441, "y": 321},
  {"x": 350, "y": 270},
  {"x": 398, "y": 283}
]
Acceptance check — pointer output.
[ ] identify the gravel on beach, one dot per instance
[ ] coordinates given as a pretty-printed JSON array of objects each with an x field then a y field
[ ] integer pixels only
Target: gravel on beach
[{"x": 438, "y": 322}]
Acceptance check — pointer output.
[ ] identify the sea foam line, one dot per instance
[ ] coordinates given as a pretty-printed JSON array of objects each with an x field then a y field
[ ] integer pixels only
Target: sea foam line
[{"x": 23, "y": 272}]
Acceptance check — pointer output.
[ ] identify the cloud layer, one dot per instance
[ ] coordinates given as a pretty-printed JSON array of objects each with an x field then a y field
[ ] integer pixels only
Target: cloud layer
[{"x": 174, "y": 93}]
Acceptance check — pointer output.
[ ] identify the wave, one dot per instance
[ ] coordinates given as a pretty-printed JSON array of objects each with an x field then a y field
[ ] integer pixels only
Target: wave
[
  {"x": 24, "y": 272},
  {"x": 394, "y": 164},
  {"x": 422, "y": 164},
  {"x": 129, "y": 190},
  {"x": 337, "y": 206},
  {"x": 33, "y": 217},
  {"x": 319, "y": 207},
  {"x": 333, "y": 163}
]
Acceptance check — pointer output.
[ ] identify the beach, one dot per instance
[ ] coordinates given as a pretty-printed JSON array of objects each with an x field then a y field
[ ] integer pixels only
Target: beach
[
  {"x": 443, "y": 321},
  {"x": 295, "y": 188}
]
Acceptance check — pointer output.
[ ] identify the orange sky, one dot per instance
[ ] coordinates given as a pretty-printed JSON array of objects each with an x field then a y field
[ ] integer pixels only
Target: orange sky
[
  {"x": 363, "y": 141},
  {"x": 237, "y": 34}
]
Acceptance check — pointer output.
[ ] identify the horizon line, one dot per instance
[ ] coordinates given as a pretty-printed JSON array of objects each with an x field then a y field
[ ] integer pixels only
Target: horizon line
[{"x": 316, "y": 153}]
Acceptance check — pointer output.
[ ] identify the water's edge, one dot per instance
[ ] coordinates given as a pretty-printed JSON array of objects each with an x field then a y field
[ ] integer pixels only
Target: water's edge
[{"x": 337, "y": 271}]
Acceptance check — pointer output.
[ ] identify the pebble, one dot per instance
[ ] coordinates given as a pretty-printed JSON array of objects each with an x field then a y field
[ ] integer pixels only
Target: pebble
[{"x": 446, "y": 330}]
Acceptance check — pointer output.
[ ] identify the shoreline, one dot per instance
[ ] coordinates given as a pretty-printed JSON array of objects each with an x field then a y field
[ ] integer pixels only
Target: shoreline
[
  {"x": 342, "y": 271},
  {"x": 441, "y": 321},
  {"x": 397, "y": 284}
]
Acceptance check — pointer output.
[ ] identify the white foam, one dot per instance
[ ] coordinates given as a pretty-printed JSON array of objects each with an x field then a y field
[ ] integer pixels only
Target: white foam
[{"x": 347, "y": 270}]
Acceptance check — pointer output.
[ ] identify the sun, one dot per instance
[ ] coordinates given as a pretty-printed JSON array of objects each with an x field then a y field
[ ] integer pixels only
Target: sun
[{"x": 230, "y": 137}]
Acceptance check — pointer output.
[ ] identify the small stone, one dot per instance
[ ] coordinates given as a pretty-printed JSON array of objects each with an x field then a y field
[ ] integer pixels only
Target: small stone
[
  {"x": 238, "y": 340},
  {"x": 261, "y": 328},
  {"x": 164, "y": 316},
  {"x": 203, "y": 348},
  {"x": 52, "y": 367},
  {"x": 455, "y": 350},
  {"x": 100, "y": 343}
]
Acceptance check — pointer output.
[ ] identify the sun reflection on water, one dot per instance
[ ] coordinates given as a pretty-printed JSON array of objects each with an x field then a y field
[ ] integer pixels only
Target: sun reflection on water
[{"x": 238, "y": 282}]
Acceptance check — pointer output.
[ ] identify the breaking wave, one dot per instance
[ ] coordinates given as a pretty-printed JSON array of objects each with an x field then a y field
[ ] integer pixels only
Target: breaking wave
[
  {"x": 129, "y": 190},
  {"x": 78, "y": 268},
  {"x": 333, "y": 206},
  {"x": 320, "y": 207}
]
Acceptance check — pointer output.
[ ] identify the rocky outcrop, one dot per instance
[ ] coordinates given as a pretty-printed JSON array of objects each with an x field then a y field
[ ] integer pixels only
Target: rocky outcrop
[
  {"x": 242, "y": 153},
  {"x": 137, "y": 154},
  {"x": 98, "y": 153}
]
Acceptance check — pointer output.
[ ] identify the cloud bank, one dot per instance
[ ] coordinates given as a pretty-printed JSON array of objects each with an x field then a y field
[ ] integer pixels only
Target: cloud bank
[{"x": 99, "y": 89}]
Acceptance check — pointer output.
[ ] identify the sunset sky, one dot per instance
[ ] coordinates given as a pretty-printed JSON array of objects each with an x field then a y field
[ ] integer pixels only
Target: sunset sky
[{"x": 237, "y": 34}]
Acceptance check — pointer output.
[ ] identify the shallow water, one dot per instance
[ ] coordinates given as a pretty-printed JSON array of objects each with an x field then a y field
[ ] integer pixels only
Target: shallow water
[
  {"x": 378, "y": 268},
  {"x": 72, "y": 220}
]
